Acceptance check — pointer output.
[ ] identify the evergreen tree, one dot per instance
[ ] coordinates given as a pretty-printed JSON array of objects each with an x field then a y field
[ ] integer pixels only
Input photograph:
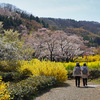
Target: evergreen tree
[
  {"x": 43, "y": 24},
  {"x": 37, "y": 19}
]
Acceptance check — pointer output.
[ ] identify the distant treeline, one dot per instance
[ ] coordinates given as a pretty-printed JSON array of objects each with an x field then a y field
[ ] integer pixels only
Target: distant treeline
[
  {"x": 10, "y": 22},
  {"x": 31, "y": 17}
]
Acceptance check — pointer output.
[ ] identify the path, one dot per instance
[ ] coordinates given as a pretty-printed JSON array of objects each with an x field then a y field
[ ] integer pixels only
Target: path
[{"x": 69, "y": 92}]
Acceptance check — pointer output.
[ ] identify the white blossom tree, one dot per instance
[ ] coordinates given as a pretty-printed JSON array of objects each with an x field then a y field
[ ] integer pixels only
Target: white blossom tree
[
  {"x": 9, "y": 46},
  {"x": 8, "y": 51}
]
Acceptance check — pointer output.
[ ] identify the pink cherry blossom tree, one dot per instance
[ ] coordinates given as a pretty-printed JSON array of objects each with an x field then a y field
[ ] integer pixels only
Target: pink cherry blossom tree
[{"x": 56, "y": 45}]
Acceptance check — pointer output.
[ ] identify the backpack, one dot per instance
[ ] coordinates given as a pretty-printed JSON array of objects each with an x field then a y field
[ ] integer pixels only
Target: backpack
[
  {"x": 77, "y": 70},
  {"x": 84, "y": 71}
]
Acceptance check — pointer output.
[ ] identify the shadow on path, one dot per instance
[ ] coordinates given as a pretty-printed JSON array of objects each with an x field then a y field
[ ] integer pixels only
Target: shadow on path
[
  {"x": 86, "y": 87},
  {"x": 90, "y": 86},
  {"x": 63, "y": 85}
]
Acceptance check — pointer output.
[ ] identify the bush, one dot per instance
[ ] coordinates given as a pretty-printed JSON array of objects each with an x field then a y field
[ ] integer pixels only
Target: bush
[
  {"x": 97, "y": 80},
  {"x": 45, "y": 68},
  {"x": 70, "y": 75},
  {"x": 94, "y": 74},
  {"x": 4, "y": 93},
  {"x": 8, "y": 66},
  {"x": 13, "y": 76},
  {"x": 30, "y": 87}
]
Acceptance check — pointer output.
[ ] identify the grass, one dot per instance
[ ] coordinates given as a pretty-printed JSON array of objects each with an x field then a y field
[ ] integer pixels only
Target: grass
[{"x": 96, "y": 80}]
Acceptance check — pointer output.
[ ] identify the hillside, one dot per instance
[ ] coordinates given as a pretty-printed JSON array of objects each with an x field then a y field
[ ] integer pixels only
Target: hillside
[
  {"x": 91, "y": 26},
  {"x": 88, "y": 30},
  {"x": 17, "y": 19}
]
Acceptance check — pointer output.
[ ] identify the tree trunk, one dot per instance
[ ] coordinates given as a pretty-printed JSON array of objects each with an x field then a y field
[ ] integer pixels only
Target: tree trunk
[{"x": 51, "y": 56}]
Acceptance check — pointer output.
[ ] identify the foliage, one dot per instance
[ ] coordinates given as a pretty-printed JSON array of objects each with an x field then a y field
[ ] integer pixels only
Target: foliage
[
  {"x": 4, "y": 93},
  {"x": 94, "y": 74},
  {"x": 13, "y": 76},
  {"x": 97, "y": 40},
  {"x": 1, "y": 28},
  {"x": 70, "y": 74},
  {"x": 9, "y": 22},
  {"x": 44, "y": 68},
  {"x": 9, "y": 66},
  {"x": 97, "y": 80},
  {"x": 28, "y": 88}
]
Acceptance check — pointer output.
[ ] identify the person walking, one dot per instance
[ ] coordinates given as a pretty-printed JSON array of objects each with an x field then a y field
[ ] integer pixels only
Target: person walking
[
  {"x": 77, "y": 74},
  {"x": 85, "y": 74}
]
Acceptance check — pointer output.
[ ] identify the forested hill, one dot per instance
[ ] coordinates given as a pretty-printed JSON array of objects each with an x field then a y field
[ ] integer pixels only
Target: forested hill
[
  {"x": 17, "y": 19},
  {"x": 91, "y": 26}
]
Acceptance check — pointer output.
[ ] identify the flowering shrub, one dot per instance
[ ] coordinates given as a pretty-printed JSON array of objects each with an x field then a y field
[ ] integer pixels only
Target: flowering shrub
[
  {"x": 4, "y": 94},
  {"x": 91, "y": 65},
  {"x": 8, "y": 51},
  {"x": 45, "y": 68},
  {"x": 88, "y": 58}
]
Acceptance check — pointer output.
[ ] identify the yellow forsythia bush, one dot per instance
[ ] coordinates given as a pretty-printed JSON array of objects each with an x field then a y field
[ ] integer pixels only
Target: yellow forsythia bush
[
  {"x": 4, "y": 94},
  {"x": 45, "y": 68}
]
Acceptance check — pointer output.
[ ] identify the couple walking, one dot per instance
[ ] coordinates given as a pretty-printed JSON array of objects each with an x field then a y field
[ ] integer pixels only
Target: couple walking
[{"x": 79, "y": 72}]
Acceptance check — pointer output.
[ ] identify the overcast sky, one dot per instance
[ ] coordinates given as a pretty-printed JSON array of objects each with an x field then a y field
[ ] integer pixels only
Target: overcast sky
[{"x": 88, "y": 10}]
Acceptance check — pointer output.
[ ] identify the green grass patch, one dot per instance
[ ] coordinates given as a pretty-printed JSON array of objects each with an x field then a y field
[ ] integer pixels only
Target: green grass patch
[{"x": 96, "y": 80}]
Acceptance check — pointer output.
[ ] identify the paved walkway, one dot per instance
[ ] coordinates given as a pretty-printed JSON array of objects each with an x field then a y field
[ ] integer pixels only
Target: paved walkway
[{"x": 68, "y": 91}]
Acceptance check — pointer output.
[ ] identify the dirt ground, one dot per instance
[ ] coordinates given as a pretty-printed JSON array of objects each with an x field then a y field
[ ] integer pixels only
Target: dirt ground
[{"x": 68, "y": 91}]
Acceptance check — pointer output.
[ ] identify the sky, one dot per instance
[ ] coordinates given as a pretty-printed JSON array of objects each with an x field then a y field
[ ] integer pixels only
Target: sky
[{"x": 79, "y": 10}]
